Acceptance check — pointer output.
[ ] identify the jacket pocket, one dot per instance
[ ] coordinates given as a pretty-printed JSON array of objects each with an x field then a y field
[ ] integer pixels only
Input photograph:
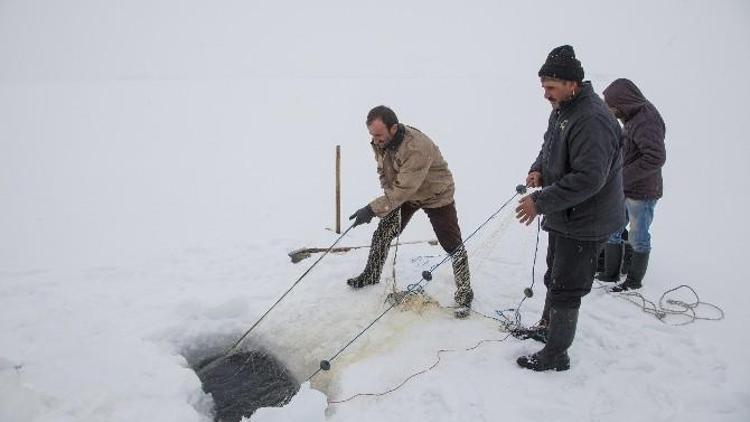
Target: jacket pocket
[{"x": 569, "y": 214}]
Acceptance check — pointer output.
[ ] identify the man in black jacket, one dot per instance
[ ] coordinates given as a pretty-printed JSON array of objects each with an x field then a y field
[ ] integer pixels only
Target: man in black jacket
[
  {"x": 644, "y": 155},
  {"x": 579, "y": 170}
]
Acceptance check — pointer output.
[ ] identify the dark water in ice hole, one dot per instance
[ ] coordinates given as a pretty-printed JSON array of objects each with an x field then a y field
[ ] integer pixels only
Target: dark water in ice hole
[{"x": 243, "y": 382}]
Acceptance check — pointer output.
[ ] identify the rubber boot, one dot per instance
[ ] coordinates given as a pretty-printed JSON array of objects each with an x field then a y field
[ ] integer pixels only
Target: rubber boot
[
  {"x": 612, "y": 261},
  {"x": 627, "y": 256},
  {"x": 536, "y": 332},
  {"x": 464, "y": 294},
  {"x": 381, "y": 243},
  {"x": 554, "y": 355},
  {"x": 636, "y": 272}
]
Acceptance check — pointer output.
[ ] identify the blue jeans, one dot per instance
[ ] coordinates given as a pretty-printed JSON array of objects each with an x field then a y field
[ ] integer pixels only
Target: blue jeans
[{"x": 640, "y": 214}]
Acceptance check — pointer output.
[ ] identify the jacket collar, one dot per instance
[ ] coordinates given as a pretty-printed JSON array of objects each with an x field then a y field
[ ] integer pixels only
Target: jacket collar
[
  {"x": 398, "y": 138},
  {"x": 586, "y": 91}
]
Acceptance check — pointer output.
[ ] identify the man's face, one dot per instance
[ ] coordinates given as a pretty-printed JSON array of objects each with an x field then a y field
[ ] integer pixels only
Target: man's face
[
  {"x": 381, "y": 135},
  {"x": 557, "y": 91}
]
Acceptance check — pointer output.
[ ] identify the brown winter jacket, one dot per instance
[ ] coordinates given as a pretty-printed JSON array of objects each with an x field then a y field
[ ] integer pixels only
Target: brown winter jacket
[
  {"x": 411, "y": 169},
  {"x": 643, "y": 148}
]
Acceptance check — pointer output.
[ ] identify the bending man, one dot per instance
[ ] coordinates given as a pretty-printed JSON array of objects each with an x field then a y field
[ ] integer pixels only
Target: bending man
[{"x": 413, "y": 175}]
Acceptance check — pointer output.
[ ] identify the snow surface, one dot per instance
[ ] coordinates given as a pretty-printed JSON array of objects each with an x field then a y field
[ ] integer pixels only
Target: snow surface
[{"x": 158, "y": 159}]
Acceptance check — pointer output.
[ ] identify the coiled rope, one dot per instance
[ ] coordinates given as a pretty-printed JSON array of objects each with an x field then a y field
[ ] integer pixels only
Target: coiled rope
[{"x": 668, "y": 309}]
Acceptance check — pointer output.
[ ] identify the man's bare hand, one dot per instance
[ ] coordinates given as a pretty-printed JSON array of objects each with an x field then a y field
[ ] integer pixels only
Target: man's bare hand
[
  {"x": 534, "y": 180},
  {"x": 526, "y": 212}
]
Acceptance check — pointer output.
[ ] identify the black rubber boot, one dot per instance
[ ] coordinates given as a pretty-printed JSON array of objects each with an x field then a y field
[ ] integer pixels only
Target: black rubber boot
[
  {"x": 627, "y": 256},
  {"x": 612, "y": 263},
  {"x": 636, "y": 272},
  {"x": 554, "y": 355},
  {"x": 536, "y": 332},
  {"x": 381, "y": 242}
]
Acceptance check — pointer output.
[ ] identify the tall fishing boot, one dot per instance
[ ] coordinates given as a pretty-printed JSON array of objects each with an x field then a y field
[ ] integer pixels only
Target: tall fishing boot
[
  {"x": 612, "y": 262},
  {"x": 626, "y": 258},
  {"x": 636, "y": 272},
  {"x": 381, "y": 243},
  {"x": 464, "y": 294},
  {"x": 554, "y": 355},
  {"x": 537, "y": 331}
]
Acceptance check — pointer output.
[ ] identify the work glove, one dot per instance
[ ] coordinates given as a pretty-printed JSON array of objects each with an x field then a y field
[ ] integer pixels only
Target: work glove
[{"x": 363, "y": 215}]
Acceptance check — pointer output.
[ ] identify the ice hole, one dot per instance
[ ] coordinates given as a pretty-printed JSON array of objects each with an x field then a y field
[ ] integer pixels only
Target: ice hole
[{"x": 242, "y": 382}]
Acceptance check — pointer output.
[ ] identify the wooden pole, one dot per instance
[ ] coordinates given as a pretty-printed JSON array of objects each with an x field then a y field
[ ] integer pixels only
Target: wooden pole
[{"x": 338, "y": 189}]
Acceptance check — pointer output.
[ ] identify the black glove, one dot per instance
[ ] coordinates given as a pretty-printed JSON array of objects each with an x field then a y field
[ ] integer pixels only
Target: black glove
[{"x": 363, "y": 215}]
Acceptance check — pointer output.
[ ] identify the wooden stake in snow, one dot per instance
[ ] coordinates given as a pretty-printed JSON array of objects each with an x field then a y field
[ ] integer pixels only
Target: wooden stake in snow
[{"x": 338, "y": 189}]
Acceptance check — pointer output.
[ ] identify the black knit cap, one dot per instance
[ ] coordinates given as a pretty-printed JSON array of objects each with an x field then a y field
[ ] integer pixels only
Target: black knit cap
[{"x": 562, "y": 64}]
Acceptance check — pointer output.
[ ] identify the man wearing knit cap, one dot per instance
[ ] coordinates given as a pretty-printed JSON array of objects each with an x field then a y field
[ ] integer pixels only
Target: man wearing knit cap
[{"x": 579, "y": 171}]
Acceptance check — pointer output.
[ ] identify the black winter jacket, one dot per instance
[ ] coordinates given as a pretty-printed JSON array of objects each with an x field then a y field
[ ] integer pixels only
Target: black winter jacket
[
  {"x": 581, "y": 166},
  {"x": 643, "y": 148}
]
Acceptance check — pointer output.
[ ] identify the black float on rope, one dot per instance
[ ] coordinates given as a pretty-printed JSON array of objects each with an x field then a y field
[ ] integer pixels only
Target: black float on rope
[
  {"x": 427, "y": 275},
  {"x": 325, "y": 365},
  {"x": 521, "y": 189},
  {"x": 528, "y": 292}
]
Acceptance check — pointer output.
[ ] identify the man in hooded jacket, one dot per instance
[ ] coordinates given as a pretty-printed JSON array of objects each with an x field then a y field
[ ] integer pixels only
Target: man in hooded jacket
[{"x": 644, "y": 155}]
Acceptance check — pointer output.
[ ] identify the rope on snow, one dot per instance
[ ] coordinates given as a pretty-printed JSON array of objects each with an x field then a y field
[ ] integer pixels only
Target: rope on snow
[
  {"x": 669, "y": 308},
  {"x": 666, "y": 307}
]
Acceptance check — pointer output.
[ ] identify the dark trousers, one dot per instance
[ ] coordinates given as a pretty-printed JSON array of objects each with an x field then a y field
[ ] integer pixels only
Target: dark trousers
[
  {"x": 571, "y": 265},
  {"x": 444, "y": 222}
]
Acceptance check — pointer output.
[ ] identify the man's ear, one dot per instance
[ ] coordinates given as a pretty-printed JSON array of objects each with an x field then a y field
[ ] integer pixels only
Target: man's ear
[{"x": 393, "y": 130}]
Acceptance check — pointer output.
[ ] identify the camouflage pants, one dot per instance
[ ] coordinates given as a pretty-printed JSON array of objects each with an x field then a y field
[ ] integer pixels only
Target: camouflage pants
[{"x": 444, "y": 222}]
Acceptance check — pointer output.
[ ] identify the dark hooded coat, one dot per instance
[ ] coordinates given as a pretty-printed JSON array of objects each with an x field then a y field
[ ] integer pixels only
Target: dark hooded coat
[{"x": 643, "y": 149}]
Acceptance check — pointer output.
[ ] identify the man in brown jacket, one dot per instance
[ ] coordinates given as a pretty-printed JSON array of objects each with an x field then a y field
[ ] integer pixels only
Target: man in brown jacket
[{"x": 413, "y": 175}]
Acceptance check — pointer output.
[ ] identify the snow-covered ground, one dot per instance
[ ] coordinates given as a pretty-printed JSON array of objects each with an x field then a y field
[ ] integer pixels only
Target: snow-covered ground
[{"x": 159, "y": 159}]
